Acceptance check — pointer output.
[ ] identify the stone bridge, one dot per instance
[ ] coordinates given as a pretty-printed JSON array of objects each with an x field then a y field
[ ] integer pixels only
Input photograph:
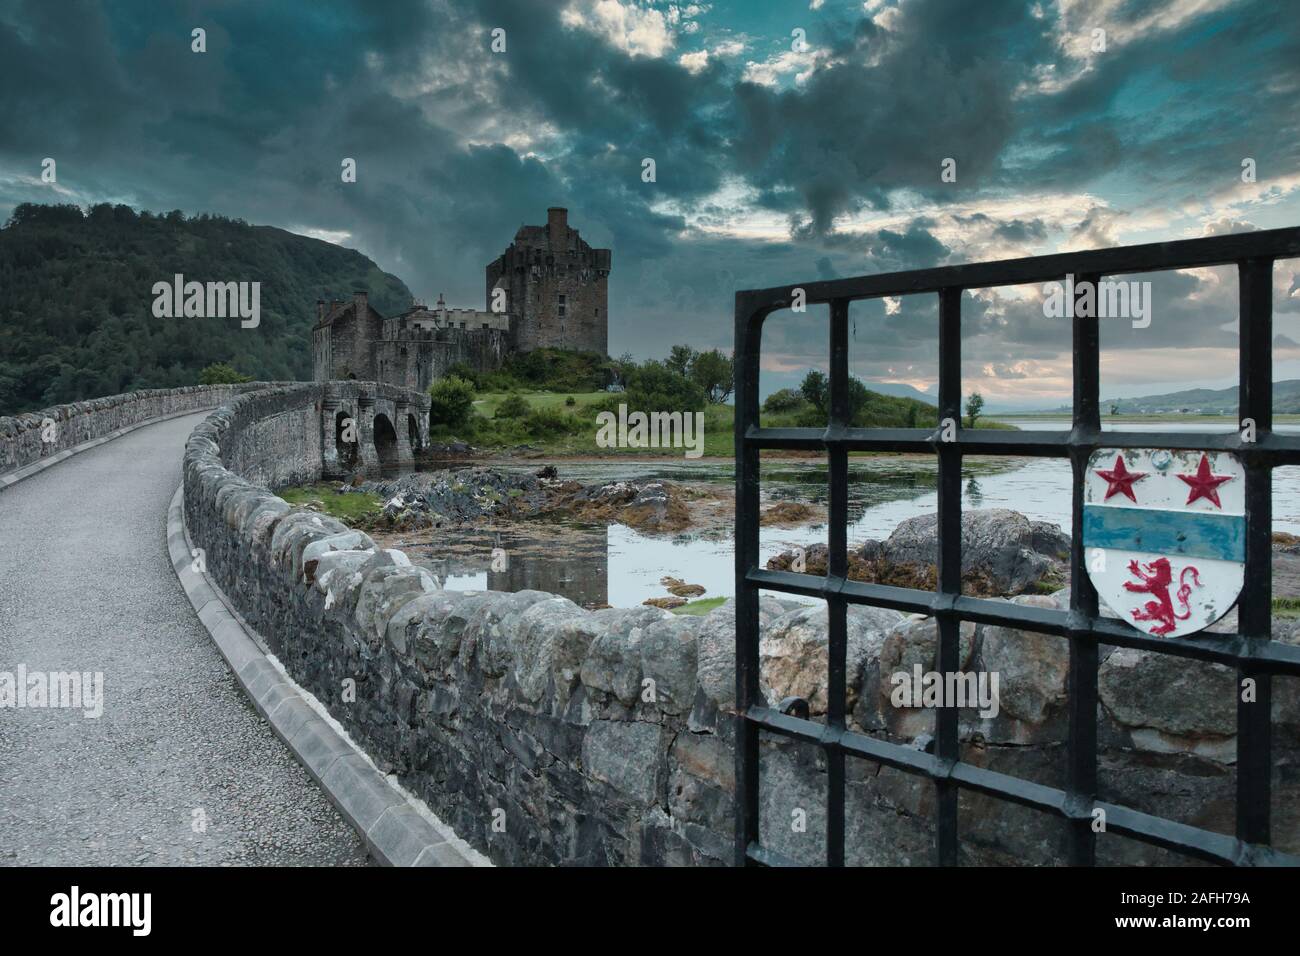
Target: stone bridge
[{"x": 367, "y": 426}]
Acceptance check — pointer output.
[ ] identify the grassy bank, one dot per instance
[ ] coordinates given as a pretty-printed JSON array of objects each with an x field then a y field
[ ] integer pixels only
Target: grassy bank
[
  {"x": 555, "y": 427},
  {"x": 349, "y": 508}
]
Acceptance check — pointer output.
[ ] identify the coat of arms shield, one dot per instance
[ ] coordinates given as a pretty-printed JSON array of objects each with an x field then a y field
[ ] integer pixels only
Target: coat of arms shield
[{"x": 1164, "y": 535}]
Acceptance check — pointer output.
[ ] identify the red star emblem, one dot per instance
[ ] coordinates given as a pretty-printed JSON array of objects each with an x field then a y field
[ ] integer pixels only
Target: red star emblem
[
  {"x": 1119, "y": 480},
  {"x": 1203, "y": 484}
]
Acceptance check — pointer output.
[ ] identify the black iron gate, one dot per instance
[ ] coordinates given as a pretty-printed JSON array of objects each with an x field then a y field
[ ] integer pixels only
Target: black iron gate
[{"x": 1251, "y": 651}]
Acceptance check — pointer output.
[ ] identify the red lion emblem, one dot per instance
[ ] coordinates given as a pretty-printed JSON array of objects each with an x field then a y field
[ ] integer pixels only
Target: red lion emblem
[{"x": 1156, "y": 581}]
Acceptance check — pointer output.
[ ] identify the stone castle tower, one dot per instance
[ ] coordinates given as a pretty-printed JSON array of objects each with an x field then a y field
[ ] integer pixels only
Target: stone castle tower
[{"x": 557, "y": 287}]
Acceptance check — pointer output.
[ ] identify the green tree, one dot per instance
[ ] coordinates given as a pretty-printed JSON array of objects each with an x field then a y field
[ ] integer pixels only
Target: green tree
[
  {"x": 715, "y": 373},
  {"x": 654, "y": 387},
  {"x": 680, "y": 359},
  {"x": 618, "y": 370},
  {"x": 814, "y": 390},
  {"x": 463, "y": 370},
  {"x": 451, "y": 402},
  {"x": 221, "y": 373},
  {"x": 974, "y": 405}
]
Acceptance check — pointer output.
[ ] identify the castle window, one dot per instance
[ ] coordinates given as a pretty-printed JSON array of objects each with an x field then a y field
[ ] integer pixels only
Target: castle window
[{"x": 562, "y": 306}]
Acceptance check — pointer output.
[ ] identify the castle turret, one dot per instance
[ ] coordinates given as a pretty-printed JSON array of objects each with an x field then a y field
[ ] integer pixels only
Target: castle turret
[{"x": 557, "y": 228}]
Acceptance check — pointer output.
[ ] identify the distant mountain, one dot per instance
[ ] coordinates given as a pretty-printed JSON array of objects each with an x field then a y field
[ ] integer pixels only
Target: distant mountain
[
  {"x": 900, "y": 390},
  {"x": 76, "y": 300},
  {"x": 1200, "y": 401}
]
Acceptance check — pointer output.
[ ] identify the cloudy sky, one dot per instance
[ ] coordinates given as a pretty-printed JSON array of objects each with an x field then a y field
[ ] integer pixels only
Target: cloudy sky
[{"x": 776, "y": 160}]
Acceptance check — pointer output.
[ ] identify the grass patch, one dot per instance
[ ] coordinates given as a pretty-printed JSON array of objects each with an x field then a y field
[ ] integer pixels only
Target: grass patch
[
  {"x": 487, "y": 402},
  {"x": 701, "y": 607},
  {"x": 1288, "y": 607},
  {"x": 348, "y": 508},
  {"x": 559, "y": 428}
]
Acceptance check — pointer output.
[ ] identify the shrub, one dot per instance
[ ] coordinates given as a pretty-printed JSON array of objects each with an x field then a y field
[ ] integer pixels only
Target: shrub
[
  {"x": 545, "y": 422},
  {"x": 452, "y": 400},
  {"x": 784, "y": 400},
  {"x": 513, "y": 406},
  {"x": 221, "y": 373},
  {"x": 463, "y": 371},
  {"x": 570, "y": 401}
]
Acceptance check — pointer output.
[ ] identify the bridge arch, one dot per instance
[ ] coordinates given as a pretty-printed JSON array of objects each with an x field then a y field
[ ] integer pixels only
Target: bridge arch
[
  {"x": 347, "y": 449},
  {"x": 413, "y": 432},
  {"x": 385, "y": 440}
]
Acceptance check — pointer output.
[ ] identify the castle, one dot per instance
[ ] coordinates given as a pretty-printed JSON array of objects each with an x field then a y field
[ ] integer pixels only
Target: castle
[{"x": 548, "y": 289}]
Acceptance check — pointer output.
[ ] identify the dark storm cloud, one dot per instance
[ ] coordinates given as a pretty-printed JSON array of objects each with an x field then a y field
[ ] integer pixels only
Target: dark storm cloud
[
  {"x": 457, "y": 147},
  {"x": 854, "y": 132},
  {"x": 1192, "y": 130}
]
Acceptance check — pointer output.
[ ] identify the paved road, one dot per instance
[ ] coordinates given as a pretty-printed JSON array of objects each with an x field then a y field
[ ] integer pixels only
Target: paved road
[{"x": 86, "y": 585}]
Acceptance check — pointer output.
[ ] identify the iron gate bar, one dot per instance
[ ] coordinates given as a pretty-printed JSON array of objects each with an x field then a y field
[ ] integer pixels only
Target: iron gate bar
[
  {"x": 947, "y": 743},
  {"x": 1254, "y": 720},
  {"x": 1251, "y": 651},
  {"x": 1275, "y": 657}
]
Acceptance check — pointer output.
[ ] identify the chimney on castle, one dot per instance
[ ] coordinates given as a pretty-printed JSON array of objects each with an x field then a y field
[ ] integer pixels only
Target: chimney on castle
[
  {"x": 557, "y": 228},
  {"x": 359, "y": 299},
  {"x": 320, "y": 309}
]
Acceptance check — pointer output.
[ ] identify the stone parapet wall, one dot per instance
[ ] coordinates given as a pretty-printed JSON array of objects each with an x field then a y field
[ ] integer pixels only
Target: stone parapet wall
[
  {"x": 23, "y": 437},
  {"x": 548, "y": 734}
]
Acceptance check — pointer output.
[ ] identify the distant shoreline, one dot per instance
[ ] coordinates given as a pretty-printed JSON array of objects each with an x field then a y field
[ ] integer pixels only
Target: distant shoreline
[{"x": 1134, "y": 418}]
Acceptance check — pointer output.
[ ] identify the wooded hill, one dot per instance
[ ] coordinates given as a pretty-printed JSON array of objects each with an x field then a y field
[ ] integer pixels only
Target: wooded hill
[{"x": 76, "y": 300}]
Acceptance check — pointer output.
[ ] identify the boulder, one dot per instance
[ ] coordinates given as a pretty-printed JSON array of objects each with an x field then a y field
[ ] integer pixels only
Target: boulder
[
  {"x": 716, "y": 647},
  {"x": 668, "y": 659},
  {"x": 613, "y": 661},
  {"x": 548, "y": 647},
  {"x": 1032, "y": 668},
  {"x": 998, "y": 545},
  {"x": 793, "y": 652},
  {"x": 625, "y": 755}
]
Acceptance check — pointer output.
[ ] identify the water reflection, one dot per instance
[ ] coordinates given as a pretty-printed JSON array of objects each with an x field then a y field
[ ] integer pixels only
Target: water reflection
[
  {"x": 619, "y": 566},
  {"x": 572, "y": 561}
]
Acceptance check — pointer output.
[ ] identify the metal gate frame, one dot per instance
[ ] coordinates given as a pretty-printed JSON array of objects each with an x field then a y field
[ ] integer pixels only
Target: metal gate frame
[{"x": 1250, "y": 651}]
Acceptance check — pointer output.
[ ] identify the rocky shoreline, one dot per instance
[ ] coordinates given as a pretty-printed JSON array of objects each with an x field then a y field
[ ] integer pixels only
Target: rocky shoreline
[{"x": 451, "y": 498}]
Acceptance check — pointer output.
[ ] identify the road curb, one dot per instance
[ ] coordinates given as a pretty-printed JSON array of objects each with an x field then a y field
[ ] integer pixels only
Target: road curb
[
  {"x": 36, "y": 467},
  {"x": 394, "y": 831}
]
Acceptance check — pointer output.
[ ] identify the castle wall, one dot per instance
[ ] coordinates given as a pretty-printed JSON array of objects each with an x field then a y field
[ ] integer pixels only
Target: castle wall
[{"x": 419, "y": 362}]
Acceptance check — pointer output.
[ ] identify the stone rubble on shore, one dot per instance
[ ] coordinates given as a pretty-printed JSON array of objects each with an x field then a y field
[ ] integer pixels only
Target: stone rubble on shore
[{"x": 448, "y": 498}]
